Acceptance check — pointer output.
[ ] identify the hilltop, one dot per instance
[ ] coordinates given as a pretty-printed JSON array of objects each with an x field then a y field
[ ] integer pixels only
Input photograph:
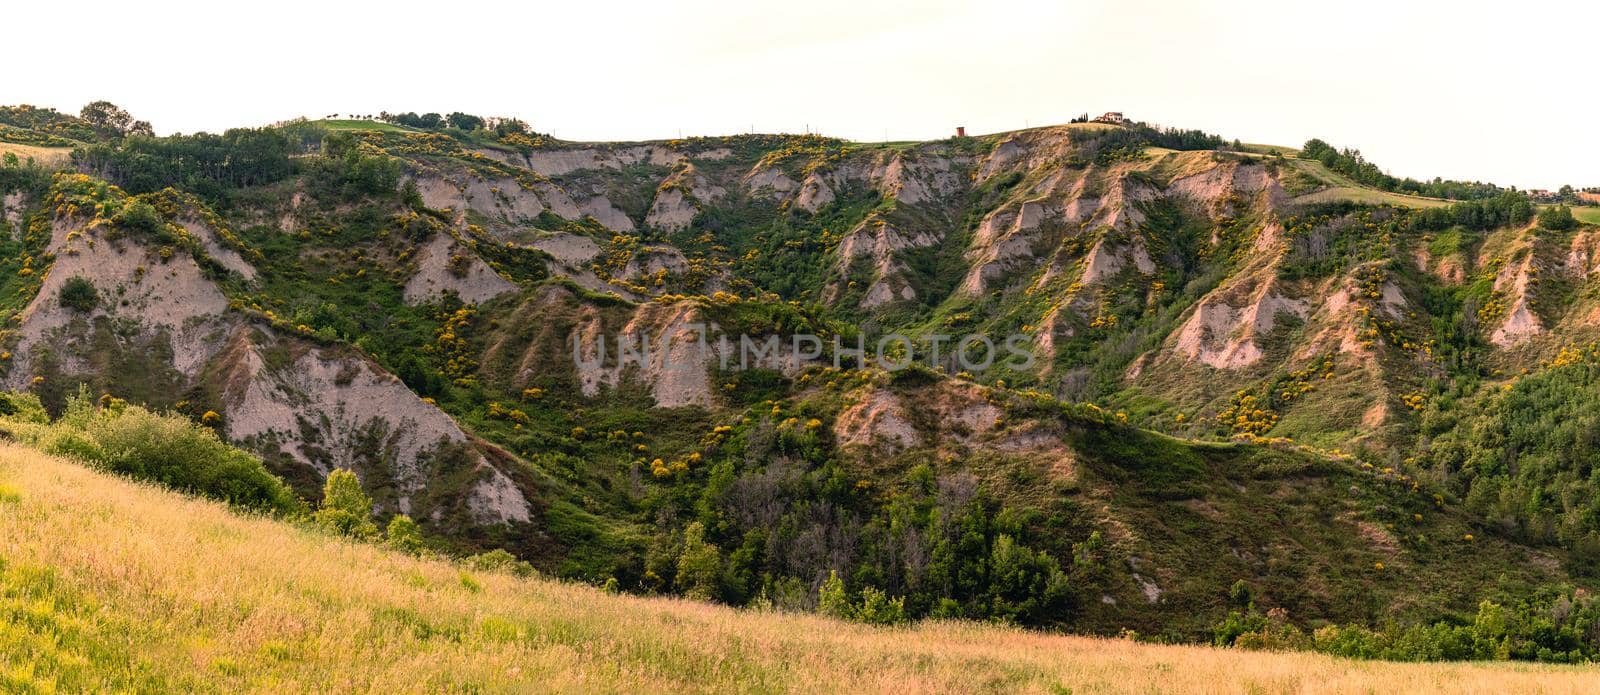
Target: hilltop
[
  {"x": 111, "y": 585},
  {"x": 1256, "y": 378}
]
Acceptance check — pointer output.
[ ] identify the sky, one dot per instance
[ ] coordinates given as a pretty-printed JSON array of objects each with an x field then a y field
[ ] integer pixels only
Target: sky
[{"x": 1497, "y": 92}]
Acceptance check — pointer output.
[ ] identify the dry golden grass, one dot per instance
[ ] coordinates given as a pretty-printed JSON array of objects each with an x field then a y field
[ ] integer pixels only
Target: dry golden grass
[
  {"x": 204, "y": 599},
  {"x": 44, "y": 156}
]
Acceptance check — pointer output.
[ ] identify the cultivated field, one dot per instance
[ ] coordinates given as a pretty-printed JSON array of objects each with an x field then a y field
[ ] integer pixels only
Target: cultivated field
[{"x": 110, "y": 585}]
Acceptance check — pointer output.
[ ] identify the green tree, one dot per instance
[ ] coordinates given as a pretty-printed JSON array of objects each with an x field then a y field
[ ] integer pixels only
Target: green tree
[
  {"x": 700, "y": 564},
  {"x": 498, "y": 560},
  {"x": 464, "y": 121},
  {"x": 346, "y": 508},
  {"x": 1558, "y": 218},
  {"x": 403, "y": 534},
  {"x": 878, "y": 609},
  {"x": 510, "y": 126},
  {"x": 111, "y": 121},
  {"x": 832, "y": 600}
]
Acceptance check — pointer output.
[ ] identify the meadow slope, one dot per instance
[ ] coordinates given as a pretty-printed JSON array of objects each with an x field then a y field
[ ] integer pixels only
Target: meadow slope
[{"x": 112, "y": 585}]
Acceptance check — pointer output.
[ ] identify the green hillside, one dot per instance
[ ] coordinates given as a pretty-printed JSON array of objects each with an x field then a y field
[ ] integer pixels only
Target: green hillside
[
  {"x": 107, "y": 585},
  {"x": 1260, "y": 388}
]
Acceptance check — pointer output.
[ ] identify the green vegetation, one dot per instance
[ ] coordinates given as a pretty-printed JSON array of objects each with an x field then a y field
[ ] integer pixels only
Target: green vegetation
[
  {"x": 108, "y": 586},
  {"x": 1350, "y": 163},
  {"x": 1557, "y": 218},
  {"x": 1178, "y": 286},
  {"x": 161, "y": 448},
  {"x": 78, "y": 293},
  {"x": 347, "y": 510},
  {"x": 1556, "y": 625}
]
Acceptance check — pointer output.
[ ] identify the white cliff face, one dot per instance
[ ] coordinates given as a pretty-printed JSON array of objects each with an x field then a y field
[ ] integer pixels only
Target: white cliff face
[
  {"x": 326, "y": 408},
  {"x": 443, "y": 265},
  {"x": 157, "y": 292},
  {"x": 331, "y": 410},
  {"x": 679, "y": 199}
]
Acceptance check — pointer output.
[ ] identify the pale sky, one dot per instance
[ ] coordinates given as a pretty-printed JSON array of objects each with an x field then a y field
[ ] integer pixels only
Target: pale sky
[{"x": 1467, "y": 90}]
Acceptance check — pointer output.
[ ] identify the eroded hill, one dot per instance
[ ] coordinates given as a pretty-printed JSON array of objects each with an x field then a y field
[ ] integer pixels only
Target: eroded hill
[{"x": 427, "y": 309}]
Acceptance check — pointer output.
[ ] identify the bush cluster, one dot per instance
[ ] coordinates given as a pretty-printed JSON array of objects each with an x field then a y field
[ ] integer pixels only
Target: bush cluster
[{"x": 162, "y": 448}]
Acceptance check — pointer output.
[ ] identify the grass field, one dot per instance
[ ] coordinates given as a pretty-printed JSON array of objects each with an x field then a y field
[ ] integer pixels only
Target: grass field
[
  {"x": 107, "y": 585},
  {"x": 1586, "y": 214},
  {"x": 352, "y": 124},
  {"x": 44, "y": 156},
  {"x": 1341, "y": 187}
]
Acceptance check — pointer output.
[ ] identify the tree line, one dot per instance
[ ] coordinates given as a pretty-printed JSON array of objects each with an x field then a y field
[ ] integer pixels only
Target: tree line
[{"x": 1350, "y": 163}]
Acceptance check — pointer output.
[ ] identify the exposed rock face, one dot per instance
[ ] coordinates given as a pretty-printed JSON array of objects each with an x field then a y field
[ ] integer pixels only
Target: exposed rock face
[
  {"x": 443, "y": 265},
  {"x": 1514, "y": 282},
  {"x": 1225, "y": 337},
  {"x": 605, "y": 212},
  {"x": 11, "y": 208},
  {"x": 679, "y": 198},
  {"x": 815, "y": 193},
  {"x": 330, "y": 410},
  {"x": 650, "y": 260},
  {"x": 769, "y": 182},
  {"x": 160, "y": 295},
  {"x": 880, "y": 243},
  {"x": 567, "y": 161},
  {"x": 322, "y": 407},
  {"x": 675, "y": 364},
  {"x": 879, "y": 419},
  {"x": 504, "y": 201},
  {"x": 216, "y": 249}
]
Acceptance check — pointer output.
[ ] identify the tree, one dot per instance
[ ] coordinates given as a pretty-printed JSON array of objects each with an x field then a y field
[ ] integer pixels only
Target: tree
[
  {"x": 465, "y": 121},
  {"x": 346, "y": 508},
  {"x": 878, "y": 609},
  {"x": 498, "y": 560},
  {"x": 403, "y": 534},
  {"x": 1557, "y": 218},
  {"x": 1024, "y": 585},
  {"x": 78, "y": 293},
  {"x": 700, "y": 565},
  {"x": 111, "y": 121},
  {"x": 832, "y": 599},
  {"x": 510, "y": 126}
]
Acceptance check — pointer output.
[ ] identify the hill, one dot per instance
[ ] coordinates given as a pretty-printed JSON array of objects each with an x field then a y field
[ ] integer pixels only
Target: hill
[
  {"x": 111, "y": 585},
  {"x": 1250, "y": 381}
]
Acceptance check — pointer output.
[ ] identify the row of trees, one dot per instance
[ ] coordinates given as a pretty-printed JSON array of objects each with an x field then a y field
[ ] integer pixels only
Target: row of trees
[
  {"x": 457, "y": 120},
  {"x": 1505, "y": 209},
  {"x": 205, "y": 164},
  {"x": 97, "y": 121},
  {"x": 1103, "y": 146},
  {"x": 1555, "y": 624},
  {"x": 1350, "y": 163},
  {"x": 213, "y": 166}
]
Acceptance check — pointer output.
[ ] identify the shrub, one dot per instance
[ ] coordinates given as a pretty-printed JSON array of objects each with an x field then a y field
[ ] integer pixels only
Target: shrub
[
  {"x": 832, "y": 599},
  {"x": 403, "y": 534},
  {"x": 78, "y": 294},
  {"x": 346, "y": 508},
  {"x": 23, "y": 407},
  {"x": 163, "y": 448},
  {"x": 499, "y": 560},
  {"x": 878, "y": 609},
  {"x": 1558, "y": 218}
]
